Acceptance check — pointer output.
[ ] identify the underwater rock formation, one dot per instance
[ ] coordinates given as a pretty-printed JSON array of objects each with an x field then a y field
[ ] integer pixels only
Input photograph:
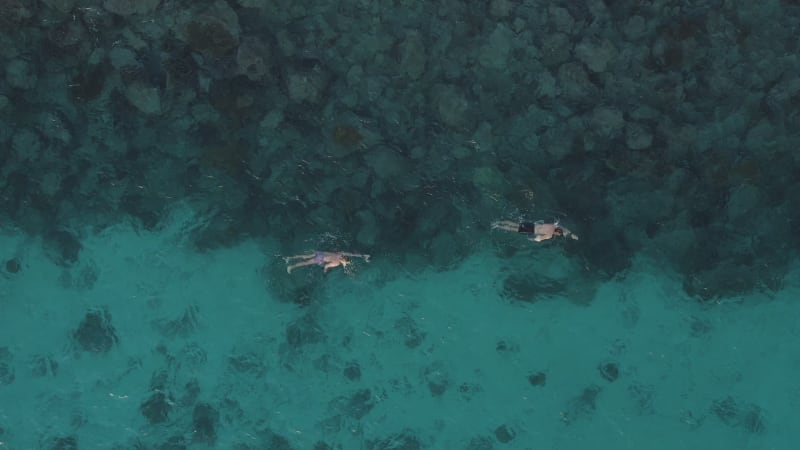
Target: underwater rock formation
[{"x": 95, "y": 333}]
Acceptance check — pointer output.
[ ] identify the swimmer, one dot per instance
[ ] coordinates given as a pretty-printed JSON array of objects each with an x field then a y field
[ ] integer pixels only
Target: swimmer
[
  {"x": 328, "y": 260},
  {"x": 539, "y": 230}
]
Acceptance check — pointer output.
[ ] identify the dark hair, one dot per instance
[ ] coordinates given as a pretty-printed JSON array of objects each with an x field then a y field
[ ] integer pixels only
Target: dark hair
[{"x": 558, "y": 231}]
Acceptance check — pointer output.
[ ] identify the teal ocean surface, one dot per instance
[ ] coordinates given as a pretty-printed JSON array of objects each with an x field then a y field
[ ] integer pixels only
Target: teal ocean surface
[
  {"x": 383, "y": 357},
  {"x": 399, "y": 225}
]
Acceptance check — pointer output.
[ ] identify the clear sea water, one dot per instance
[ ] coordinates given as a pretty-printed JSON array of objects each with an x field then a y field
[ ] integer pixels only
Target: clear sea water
[{"x": 160, "y": 158}]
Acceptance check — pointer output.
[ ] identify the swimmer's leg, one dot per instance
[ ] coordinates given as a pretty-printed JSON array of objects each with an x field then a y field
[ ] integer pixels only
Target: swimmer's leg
[
  {"x": 330, "y": 266},
  {"x": 505, "y": 225},
  {"x": 300, "y": 264},
  {"x": 292, "y": 258}
]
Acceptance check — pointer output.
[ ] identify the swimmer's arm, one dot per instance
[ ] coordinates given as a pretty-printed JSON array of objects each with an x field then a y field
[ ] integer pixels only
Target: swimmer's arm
[
  {"x": 570, "y": 234},
  {"x": 356, "y": 255}
]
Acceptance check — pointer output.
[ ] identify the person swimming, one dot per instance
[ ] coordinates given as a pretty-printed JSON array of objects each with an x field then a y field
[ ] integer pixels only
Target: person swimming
[
  {"x": 328, "y": 260},
  {"x": 539, "y": 230}
]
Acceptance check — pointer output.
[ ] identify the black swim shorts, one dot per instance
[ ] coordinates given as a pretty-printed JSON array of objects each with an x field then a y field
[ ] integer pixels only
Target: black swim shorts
[{"x": 526, "y": 228}]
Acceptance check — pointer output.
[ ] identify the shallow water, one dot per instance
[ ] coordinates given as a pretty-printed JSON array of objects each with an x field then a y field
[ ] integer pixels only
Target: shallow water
[{"x": 439, "y": 358}]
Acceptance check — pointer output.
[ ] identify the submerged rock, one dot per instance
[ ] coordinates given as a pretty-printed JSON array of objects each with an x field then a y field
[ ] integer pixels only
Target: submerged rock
[
  {"x": 146, "y": 99},
  {"x": 21, "y": 74},
  {"x": 205, "y": 419},
  {"x": 130, "y": 7},
  {"x": 212, "y": 31},
  {"x": 7, "y": 372},
  {"x": 95, "y": 333},
  {"x": 63, "y": 6},
  {"x": 253, "y": 59}
]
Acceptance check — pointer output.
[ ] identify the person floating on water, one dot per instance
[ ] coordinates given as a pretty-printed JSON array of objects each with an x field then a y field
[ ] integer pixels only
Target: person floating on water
[
  {"x": 539, "y": 231},
  {"x": 328, "y": 260}
]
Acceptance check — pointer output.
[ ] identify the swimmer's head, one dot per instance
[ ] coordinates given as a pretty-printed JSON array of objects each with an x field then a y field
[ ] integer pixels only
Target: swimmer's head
[{"x": 558, "y": 231}]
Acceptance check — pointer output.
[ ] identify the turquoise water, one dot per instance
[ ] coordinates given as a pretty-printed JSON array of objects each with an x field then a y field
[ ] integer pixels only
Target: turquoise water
[
  {"x": 159, "y": 160},
  {"x": 384, "y": 354}
]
